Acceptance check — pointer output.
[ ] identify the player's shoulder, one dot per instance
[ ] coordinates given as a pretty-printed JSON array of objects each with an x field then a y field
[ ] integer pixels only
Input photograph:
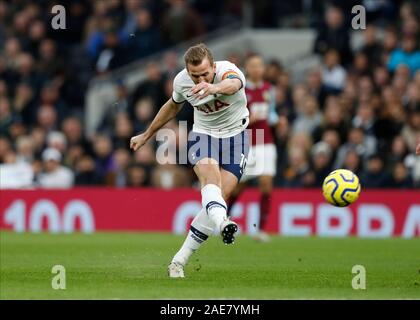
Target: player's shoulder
[
  {"x": 182, "y": 78},
  {"x": 225, "y": 65},
  {"x": 226, "y": 69}
]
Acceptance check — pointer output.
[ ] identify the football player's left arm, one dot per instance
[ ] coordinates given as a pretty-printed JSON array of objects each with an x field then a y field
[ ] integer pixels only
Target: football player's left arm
[
  {"x": 228, "y": 86},
  {"x": 418, "y": 149}
]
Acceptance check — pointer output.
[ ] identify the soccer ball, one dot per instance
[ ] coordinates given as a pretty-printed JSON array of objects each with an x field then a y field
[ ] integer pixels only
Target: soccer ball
[{"x": 341, "y": 188}]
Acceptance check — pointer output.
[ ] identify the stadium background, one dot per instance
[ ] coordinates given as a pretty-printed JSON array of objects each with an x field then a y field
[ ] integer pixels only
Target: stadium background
[{"x": 71, "y": 99}]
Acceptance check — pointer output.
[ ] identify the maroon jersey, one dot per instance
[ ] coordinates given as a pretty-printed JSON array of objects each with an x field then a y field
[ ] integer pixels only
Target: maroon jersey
[{"x": 260, "y": 98}]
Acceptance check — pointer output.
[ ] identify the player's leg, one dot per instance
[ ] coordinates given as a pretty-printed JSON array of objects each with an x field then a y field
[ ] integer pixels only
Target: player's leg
[
  {"x": 201, "y": 228},
  {"x": 237, "y": 191},
  {"x": 232, "y": 171},
  {"x": 210, "y": 216},
  {"x": 229, "y": 184},
  {"x": 244, "y": 180},
  {"x": 265, "y": 184},
  {"x": 208, "y": 173},
  {"x": 213, "y": 212}
]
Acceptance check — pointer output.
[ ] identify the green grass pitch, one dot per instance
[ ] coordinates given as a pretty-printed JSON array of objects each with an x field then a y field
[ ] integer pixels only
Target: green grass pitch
[{"x": 133, "y": 266}]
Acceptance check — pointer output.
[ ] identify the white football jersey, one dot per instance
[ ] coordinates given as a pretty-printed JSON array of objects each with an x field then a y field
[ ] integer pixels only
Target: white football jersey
[{"x": 220, "y": 115}]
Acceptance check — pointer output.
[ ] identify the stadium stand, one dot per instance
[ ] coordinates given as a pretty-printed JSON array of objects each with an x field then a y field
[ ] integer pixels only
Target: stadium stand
[{"x": 358, "y": 109}]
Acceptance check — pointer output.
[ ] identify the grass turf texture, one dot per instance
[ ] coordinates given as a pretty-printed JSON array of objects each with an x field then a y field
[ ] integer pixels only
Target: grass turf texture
[{"x": 134, "y": 266}]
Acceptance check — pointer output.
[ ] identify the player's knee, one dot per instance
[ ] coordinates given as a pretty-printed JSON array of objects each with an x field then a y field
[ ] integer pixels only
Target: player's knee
[{"x": 208, "y": 174}]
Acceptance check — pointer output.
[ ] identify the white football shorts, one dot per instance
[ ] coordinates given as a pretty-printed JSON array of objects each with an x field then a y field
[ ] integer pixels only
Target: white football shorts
[{"x": 262, "y": 161}]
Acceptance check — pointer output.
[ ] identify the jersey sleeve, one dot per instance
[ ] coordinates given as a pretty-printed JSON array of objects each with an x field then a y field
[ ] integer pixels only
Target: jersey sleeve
[
  {"x": 177, "y": 95},
  {"x": 231, "y": 71}
]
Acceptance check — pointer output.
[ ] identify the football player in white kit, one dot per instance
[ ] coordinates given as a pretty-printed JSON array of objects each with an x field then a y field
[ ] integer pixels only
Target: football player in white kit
[{"x": 217, "y": 145}]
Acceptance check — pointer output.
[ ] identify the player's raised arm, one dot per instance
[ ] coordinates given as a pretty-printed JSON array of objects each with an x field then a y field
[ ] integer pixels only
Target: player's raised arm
[
  {"x": 168, "y": 111},
  {"x": 227, "y": 87},
  {"x": 230, "y": 84}
]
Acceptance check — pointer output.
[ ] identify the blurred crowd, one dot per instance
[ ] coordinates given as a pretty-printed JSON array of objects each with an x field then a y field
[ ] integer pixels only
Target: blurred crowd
[{"x": 359, "y": 110}]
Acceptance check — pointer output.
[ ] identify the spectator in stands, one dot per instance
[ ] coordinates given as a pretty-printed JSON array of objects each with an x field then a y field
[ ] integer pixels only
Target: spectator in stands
[
  {"x": 153, "y": 87},
  {"x": 145, "y": 158},
  {"x": 408, "y": 54},
  {"x": 25, "y": 149},
  {"x": 72, "y": 128},
  {"x": 390, "y": 122},
  {"x": 143, "y": 113},
  {"x": 273, "y": 71},
  {"x": 333, "y": 74},
  {"x": 136, "y": 176},
  {"x": 365, "y": 146},
  {"x": 38, "y": 135},
  {"x": 112, "y": 53},
  {"x": 361, "y": 66},
  {"x": 365, "y": 118},
  {"x": 371, "y": 46},
  {"x": 54, "y": 175},
  {"x": 298, "y": 167},
  {"x": 400, "y": 177},
  {"x": 47, "y": 118},
  {"x": 104, "y": 160},
  {"x": 334, "y": 34},
  {"x": 5, "y": 148},
  {"x": 411, "y": 129},
  {"x": 309, "y": 118},
  {"x": 6, "y": 116},
  {"x": 398, "y": 153},
  {"x": 122, "y": 131},
  {"x": 389, "y": 44},
  {"x": 332, "y": 118},
  {"x": 169, "y": 176},
  {"x": 122, "y": 161},
  {"x": 321, "y": 162},
  {"x": 181, "y": 22},
  {"x": 353, "y": 162},
  {"x": 26, "y": 72},
  {"x": 172, "y": 68},
  {"x": 86, "y": 174},
  {"x": 145, "y": 39},
  {"x": 15, "y": 174},
  {"x": 374, "y": 176},
  {"x": 332, "y": 137},
  {"x": 315, "y": 86},
  {"x": 24, "y": 103}
]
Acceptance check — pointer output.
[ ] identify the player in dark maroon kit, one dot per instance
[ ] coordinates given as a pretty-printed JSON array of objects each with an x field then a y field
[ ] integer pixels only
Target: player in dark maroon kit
[{"x": 262, "y": 157}]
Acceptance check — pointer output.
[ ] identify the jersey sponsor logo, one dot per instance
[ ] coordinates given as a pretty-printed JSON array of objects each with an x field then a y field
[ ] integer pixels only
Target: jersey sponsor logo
[{"x": 216, "y": 106}]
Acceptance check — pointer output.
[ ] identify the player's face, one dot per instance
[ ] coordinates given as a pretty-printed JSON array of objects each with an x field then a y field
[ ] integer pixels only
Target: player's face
[
  {"x": 255, "y": 68},
  {"x": 204, "y": 72}
]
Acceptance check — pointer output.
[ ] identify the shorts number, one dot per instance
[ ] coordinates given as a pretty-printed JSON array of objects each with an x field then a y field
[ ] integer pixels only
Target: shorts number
[{"x": 242, "y": 164}]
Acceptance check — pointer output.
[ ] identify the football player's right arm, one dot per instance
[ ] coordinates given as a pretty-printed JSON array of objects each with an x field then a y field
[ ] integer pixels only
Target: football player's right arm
[
  {"x": 418, "y": 149},
  {"x": 168, "y": 111}
]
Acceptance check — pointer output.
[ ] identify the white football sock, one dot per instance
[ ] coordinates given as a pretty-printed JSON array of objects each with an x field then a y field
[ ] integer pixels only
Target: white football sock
[
  {"x": 201, "y": 229},
  {"x": 214, "y": 204}
]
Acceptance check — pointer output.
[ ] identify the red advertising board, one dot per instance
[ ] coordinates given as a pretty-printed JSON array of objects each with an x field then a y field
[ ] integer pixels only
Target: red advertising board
[{"x": 294, "y": 212}]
